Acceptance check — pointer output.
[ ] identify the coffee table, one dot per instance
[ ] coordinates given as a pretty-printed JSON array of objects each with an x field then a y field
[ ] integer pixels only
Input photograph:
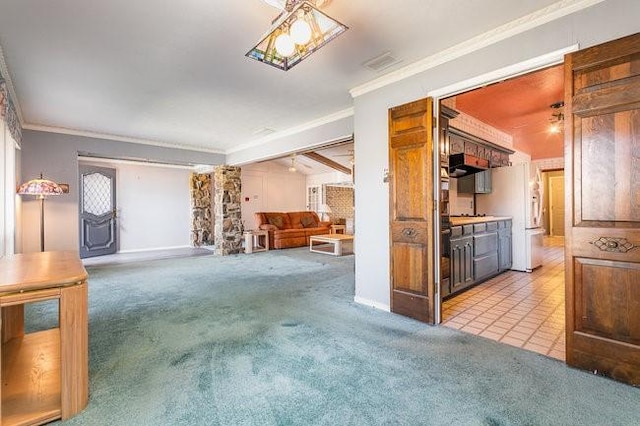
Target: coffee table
[{"x": 332, "y": 244}]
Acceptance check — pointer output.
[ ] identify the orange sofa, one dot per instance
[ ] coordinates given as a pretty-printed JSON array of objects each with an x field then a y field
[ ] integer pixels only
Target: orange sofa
[{"x": 291, "y": 229}]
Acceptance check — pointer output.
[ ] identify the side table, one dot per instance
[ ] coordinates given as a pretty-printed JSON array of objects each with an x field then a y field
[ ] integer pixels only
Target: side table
[
  {"x": 44, "y": 374},
  {"x": 338, "y": 229},
  {"x": 256, "y": 241}
]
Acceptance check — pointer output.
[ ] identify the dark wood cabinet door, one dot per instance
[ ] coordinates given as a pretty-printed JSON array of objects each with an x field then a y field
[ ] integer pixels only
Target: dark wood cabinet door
[
  {"x": 411, "y": 210},
  {"x": 461, "y": 263},
  {"x": 602, "y": 177}
]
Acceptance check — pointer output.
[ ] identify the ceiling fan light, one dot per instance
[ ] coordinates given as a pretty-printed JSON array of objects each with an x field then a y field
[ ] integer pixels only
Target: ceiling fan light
[
  {"x": 300, "y": 31},
  {"x": 284, "y": 45}
]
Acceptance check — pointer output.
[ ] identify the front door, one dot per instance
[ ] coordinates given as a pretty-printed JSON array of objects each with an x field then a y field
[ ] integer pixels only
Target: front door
[
  {"x": 98, "y": 232},
  {"x": 412, "y": 210},
  {"x": 602, "y": 255}
]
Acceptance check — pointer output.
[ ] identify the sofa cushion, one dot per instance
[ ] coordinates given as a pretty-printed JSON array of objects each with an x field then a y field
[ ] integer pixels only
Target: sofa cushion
[
  {"x": 308, "y": 222},
  {"x": 276, "y": 220}
]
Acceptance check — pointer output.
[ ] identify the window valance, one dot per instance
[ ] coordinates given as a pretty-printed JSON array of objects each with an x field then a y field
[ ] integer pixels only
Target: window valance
[{"x": 8, "y": 112}]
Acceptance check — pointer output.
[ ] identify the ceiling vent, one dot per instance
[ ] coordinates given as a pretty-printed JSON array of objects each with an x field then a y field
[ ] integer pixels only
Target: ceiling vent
[
  {"x": 264, "y": 131},
  {"x": 381, "y": 62}
]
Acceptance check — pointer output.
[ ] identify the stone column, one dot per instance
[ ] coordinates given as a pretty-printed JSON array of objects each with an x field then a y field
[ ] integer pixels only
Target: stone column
[
  {"x": 201, "y": 199},
  {"x": 228, "y": 227}
]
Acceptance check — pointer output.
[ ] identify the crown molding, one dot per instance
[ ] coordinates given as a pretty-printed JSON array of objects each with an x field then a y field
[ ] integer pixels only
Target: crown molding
[
  {"x": 345, "y": 113},
  {"x": 520, "y": 25},
  {"x": 73, "y": 132},
  {"x": 7, "y": 78}
]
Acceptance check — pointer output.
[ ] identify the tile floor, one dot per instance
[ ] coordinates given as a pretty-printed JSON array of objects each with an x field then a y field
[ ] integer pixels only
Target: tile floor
[{"x": 517, "y": 308}]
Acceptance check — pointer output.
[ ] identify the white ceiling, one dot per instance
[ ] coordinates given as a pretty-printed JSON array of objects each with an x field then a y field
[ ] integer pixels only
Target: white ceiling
[{"x": 174, "y": 72}]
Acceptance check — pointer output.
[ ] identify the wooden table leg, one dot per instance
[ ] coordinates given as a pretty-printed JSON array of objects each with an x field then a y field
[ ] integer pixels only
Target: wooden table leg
[{"x": 74, "y": 349}]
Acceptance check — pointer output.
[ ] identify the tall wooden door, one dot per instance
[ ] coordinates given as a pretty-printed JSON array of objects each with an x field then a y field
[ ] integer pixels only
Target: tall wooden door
[
  {"x": 98, "y": 231},
  {"x": 602, "y": 137},
  {"x": 411, "y": 210}
]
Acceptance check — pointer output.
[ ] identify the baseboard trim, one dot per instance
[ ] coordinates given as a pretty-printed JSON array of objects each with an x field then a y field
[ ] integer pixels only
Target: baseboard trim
[
  {"x": 153, "y": 249},
  {"x": 373, "y": 304}
]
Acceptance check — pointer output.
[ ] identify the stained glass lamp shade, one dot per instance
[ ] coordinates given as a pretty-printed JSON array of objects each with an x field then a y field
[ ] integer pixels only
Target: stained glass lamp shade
[
  {"x": 297, "y": 33},
  {"x": 40, "y": 188}
]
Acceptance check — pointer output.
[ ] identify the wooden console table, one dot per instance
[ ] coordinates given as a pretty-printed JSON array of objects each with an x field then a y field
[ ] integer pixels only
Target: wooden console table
[{"x": 45, "y": 374}]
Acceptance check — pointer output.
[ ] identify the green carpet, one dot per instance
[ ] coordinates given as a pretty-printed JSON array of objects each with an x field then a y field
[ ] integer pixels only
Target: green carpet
[{"x": 275, "y": 339}]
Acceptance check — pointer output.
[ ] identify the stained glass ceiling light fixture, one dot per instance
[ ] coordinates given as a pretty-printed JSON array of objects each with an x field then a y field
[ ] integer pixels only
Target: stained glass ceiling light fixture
[{"x": 300, "y": 30}]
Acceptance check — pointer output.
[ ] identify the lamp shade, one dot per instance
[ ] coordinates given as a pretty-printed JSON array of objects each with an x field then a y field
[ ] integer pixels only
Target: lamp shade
[
  {"x": 40, "y": 186},
  {"x": 324, "y": 208}
]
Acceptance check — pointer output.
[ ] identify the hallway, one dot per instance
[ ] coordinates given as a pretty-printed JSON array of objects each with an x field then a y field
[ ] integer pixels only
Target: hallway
[{"x": 520, "y": 309}]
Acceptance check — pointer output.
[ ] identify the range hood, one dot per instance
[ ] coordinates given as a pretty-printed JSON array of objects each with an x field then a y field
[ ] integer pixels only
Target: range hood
[{"x": 465, "y": 164}]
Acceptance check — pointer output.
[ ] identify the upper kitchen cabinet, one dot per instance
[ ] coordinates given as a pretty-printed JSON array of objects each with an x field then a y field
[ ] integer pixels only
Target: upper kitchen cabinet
[
  {"x": 477, "y": 183},
  {"x": 461, "y": 142}
]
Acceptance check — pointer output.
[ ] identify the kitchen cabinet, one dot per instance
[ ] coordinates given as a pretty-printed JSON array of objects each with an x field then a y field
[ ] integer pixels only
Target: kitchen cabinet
[
  {"x": 477, "y": 183},
  {"x": 480, "y": 248},
  {"x": 461, "y": 260},
  {"x": 461, "y": 142},
  {"x": 485, "y": 250},
  {"x": 505, "y": 258}
]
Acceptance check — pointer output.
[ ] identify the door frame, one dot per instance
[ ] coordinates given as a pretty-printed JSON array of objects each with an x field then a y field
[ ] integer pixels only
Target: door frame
[{"x": 534, "y": 64}]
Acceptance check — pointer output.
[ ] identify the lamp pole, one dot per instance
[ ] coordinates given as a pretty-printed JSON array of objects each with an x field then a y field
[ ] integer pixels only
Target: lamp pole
[{"x": 41, "y": 222}]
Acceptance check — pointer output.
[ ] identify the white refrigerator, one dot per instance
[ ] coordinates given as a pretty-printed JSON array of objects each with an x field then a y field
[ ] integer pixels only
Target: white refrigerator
[{"x": 517, "y": 192}]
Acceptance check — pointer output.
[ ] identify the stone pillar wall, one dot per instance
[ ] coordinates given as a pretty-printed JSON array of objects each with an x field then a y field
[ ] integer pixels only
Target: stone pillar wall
[
  {"x": 228, "y": 226},
  {"x": 201, "y": 200}
]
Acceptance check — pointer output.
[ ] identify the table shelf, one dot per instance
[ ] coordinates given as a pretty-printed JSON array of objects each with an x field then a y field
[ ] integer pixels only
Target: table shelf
[{"x": 31, "y": 378}]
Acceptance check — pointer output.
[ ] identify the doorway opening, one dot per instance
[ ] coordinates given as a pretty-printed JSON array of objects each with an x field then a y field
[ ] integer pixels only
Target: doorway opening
[{"x": 513, "y": 265}]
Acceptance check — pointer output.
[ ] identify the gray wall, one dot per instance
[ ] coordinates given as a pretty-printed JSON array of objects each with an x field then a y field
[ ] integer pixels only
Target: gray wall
[
  {"x": 56, "y": 156},
  {"x": 603, "y": 22}
]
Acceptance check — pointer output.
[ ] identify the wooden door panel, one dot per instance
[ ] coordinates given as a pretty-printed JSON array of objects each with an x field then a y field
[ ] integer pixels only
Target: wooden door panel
[
  {"x": 410, "y": 185},
  {"x": 608, "y": 299},
  {"x": 411, "y": 276},
  {"x": 602, "y": 177},
  {"x": 411, "y": 210}
]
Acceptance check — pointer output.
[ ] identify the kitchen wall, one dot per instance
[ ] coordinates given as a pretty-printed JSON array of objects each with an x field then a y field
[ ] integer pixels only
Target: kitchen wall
[{"x": 586, "y": 28}]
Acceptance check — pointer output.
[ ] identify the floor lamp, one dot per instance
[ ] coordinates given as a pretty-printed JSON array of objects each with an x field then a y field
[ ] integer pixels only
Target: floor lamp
[{"x": 40, "y": 188}]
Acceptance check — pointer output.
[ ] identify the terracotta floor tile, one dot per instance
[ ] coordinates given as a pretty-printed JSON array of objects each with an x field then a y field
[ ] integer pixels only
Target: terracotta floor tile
[
  {"x": 472, "y": 330},
  {"x": 523, "y": 308},
  {"x": 491, "y": 335},
  {"x": 509, "y": 340},
  {"x": 536, "y": 348}
]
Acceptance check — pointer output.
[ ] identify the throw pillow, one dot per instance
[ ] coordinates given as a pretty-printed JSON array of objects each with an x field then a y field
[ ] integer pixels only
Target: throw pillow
[
  {"x": 308, "y": 222},
  {"x": 276, "y": 221}
]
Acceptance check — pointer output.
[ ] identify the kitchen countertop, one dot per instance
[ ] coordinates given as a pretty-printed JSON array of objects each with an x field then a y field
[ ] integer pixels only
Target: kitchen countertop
[{"x": 463, "y": 220}]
